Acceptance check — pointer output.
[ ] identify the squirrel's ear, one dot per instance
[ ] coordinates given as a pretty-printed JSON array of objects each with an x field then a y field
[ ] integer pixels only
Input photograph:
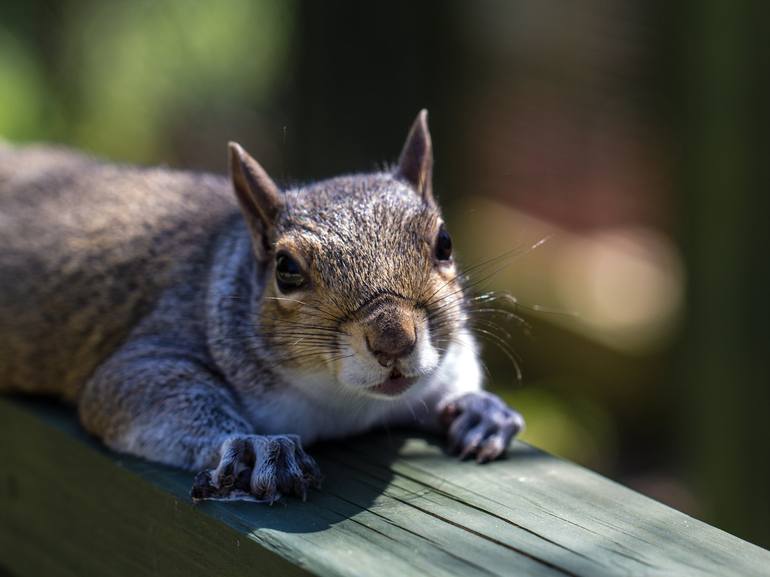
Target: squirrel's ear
[
  {"x": 416, "y": 162},
  {"x": 260, "y": 199}
]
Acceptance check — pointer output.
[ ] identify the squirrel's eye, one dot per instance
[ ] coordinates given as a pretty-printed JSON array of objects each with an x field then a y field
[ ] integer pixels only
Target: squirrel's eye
[
  {"x": 288, "y": 274},
  {"x": 443, "y": 244}
]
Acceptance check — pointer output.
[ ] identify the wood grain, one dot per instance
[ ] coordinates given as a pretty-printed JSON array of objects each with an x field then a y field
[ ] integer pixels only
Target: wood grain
[{"x": 392, "y": 504}]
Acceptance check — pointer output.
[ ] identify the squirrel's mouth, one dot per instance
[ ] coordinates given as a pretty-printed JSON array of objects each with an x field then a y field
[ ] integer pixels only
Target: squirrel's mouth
[{"x": 394, "y": 385}]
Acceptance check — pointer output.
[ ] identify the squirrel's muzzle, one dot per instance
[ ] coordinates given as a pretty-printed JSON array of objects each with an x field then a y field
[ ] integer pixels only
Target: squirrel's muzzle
[{"x": 390, "y": 332}]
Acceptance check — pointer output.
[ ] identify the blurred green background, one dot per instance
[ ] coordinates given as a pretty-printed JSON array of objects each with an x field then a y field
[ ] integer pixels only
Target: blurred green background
[{"x": 627, "y": 133}]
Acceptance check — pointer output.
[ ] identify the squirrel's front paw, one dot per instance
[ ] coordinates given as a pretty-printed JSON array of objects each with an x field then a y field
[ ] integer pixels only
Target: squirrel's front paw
[
  {"x": 259, "y": 468},
  {"x": 479, "y": 425}
]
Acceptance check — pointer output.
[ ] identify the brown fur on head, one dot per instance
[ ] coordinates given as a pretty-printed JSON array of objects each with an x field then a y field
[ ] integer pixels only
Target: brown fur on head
[{"x": 361, "y": 288}]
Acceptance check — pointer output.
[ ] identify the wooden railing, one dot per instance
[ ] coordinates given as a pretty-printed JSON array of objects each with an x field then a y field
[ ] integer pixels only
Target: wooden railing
[{"x": 392, "y": 504}]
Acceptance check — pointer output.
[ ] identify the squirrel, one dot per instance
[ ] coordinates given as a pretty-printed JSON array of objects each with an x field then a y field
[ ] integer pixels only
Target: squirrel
[{"x": 223, "y": 333}]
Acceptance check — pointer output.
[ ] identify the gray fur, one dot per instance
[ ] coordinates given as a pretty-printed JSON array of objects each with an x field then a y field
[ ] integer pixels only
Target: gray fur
[{"x": 142, "y": 296}]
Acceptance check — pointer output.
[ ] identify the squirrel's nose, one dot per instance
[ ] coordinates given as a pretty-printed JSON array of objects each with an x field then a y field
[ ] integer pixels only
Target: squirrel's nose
[{"x": 391, "y": 336}]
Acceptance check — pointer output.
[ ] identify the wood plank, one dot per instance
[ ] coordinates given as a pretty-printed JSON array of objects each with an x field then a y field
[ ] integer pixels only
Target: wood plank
[
  {"x": 578, "y": 511},
  {"x": 392, "y": 504}
]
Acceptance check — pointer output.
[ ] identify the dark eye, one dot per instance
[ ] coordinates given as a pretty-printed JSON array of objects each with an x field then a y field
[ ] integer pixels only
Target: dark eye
[
  {"x": 288, "y": 274},
  {"x": 443, "y": 244}
]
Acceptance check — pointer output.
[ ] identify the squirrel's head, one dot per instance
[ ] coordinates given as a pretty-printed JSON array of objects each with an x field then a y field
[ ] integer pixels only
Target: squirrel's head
[{"x": 361, "y": 280}]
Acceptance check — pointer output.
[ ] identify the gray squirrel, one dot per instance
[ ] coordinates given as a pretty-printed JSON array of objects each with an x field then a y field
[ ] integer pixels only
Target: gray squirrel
[{"x": 221, "y": 332}]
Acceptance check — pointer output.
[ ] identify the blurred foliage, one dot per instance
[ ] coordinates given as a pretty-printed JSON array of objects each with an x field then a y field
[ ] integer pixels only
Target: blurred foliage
[
  {"x": 22, "y": 93},
  {"x": 571, "y": 426},
  {"x": 127, "y": 79}
]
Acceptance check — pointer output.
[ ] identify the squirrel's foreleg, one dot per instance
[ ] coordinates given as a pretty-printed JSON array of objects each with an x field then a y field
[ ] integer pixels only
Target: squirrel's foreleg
[{"x": 169, "y": 407}]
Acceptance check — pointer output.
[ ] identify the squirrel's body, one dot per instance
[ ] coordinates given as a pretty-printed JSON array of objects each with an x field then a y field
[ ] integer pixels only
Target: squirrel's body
[
  {"x": 86, "y": 249},
  {"x": 188, "y": 334}
]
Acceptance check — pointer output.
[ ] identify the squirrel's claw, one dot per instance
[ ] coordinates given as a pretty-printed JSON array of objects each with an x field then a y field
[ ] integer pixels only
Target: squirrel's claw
[
  {"x": 259, "y": 468},
  {"x": 480, "y": 425}
]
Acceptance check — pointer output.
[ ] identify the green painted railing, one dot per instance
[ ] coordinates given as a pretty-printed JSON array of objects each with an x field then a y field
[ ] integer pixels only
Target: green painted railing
[{"x": 392, "y": 504}]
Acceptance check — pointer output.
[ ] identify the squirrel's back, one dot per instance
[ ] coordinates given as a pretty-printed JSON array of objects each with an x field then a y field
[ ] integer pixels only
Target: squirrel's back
[{"x": 85, "y": 250}]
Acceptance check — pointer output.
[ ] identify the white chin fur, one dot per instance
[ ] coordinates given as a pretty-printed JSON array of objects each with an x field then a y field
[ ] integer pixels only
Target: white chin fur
[
  {"x": 360, "y": 371},
  {"x": 324, "y": 408}
]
